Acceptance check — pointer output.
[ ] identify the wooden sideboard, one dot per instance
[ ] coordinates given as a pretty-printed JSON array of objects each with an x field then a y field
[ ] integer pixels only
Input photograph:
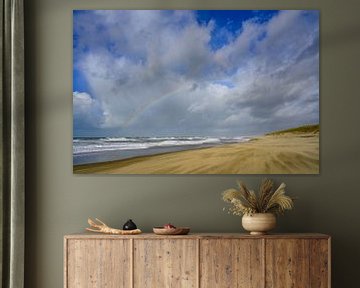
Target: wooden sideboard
[{"x": 197, "y": 260}]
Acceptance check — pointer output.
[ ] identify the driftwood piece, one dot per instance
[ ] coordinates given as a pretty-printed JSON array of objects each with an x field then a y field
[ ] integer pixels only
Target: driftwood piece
[{"x": 101, "y": 227}]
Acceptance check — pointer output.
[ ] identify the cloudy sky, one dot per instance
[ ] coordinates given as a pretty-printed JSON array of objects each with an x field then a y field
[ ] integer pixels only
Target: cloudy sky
[{"x": 206, "y": 73}]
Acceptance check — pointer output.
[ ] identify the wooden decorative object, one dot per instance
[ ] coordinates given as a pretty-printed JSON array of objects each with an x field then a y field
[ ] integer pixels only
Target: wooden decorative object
[
  {"x": 171, "y": 231},
  {"x": 259, "y": 223},
  {"x": 101, "y": 227},
  {"x": 197, "y": 261}
]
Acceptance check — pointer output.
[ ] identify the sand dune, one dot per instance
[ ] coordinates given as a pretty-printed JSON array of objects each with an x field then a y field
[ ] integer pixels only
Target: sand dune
[{"x": 291, "y": 153}]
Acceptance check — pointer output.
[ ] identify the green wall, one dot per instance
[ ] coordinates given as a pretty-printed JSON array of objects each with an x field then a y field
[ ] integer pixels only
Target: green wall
[{"x": 59, "y": 203}]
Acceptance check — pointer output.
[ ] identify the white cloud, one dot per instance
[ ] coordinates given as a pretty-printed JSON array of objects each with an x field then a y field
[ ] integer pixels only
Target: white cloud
[
  {"x": 86, "y": 110},
  {"x": 154, "y": 72}
]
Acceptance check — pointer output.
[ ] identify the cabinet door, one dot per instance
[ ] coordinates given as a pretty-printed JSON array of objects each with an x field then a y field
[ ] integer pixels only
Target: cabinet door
[
  {"x": 231, "y": 263},
  {"x": 165, "y": 263},
  {"x": 287, "y": 263},
  {"x": 98, "y": 263}
]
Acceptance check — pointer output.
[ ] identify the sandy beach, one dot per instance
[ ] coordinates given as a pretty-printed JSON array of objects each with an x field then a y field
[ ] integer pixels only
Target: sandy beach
[{"x": 291, "y": 153}]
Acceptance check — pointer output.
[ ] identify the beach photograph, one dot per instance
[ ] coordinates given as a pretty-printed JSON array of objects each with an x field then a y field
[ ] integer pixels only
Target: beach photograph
[{"x": 196, "y": 92}]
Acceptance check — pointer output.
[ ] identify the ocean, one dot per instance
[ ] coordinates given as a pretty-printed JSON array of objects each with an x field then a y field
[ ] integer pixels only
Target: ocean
[{"x": 100, "y": 149}]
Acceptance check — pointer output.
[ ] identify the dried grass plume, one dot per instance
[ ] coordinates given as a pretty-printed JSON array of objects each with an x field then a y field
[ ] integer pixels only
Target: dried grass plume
[{"x": 267, "y": 200}]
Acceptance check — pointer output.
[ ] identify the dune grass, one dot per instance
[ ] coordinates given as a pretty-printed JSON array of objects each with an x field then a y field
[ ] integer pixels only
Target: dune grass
[{"x": 314, "y": 128}]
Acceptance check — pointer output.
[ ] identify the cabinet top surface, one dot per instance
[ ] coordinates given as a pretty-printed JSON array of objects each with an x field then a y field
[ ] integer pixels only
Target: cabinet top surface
[{"x": 86, "y": 235}]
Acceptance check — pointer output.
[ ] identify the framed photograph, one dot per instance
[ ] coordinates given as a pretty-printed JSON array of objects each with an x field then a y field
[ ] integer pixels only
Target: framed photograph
[{"x": 196, "y": 91}]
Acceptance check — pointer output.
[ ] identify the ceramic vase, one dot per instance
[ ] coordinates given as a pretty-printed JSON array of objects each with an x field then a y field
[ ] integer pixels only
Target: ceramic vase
[{"x": 259, "y": 223}]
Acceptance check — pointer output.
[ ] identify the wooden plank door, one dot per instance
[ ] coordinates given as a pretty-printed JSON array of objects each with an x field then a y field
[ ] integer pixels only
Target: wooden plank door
[
  {"x": 98, "y": 263},
  {"x": 297, "y": 263},
  {"x": 169, "y": 263},
  {"x": 287, "y": 263},
  {"x": 231, "y": 263}
]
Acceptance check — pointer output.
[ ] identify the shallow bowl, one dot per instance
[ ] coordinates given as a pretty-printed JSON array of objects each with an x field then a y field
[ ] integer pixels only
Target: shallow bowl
[{"x": 171, "y": 231}]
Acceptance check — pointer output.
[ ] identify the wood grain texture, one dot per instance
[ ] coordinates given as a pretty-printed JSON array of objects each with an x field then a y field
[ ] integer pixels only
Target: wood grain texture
[
  {"x": 98, "y": 264},
  {"x": 287, "y": 263},
  {"x": 166, "y": 263},
  {"x": 319, "y": 263},
  {"x": 197, "y": 260},
  {"x": 231, "y": 263}
]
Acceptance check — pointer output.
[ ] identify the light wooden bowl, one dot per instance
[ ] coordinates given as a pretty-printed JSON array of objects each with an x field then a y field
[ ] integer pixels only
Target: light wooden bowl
[
  {"x": 259, "y": 223},
  {"x": 171, "y": 231}
]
